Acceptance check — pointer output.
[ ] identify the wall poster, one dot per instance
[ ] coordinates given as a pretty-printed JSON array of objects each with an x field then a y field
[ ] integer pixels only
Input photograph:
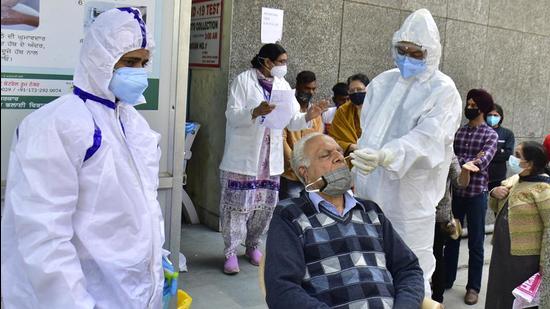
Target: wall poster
[{"x": 41, "y": 41}]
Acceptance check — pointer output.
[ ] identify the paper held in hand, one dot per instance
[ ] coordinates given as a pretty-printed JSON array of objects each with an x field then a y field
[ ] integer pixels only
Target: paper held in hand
[
  {"x": 527, "y": 294},
  {"x": 281, "y": 115}
]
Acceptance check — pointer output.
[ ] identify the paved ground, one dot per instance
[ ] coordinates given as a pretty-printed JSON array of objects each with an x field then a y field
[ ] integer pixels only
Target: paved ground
[{"x": 210, "y": 288}]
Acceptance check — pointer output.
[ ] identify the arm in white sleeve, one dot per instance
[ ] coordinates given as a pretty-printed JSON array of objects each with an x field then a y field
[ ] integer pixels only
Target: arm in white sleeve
[
  {"x": 298, "y": 121},
  {"x": 424, "y": 146},
  {"x": 237, "y": 112},
  {"x": 44, "y": 196}
]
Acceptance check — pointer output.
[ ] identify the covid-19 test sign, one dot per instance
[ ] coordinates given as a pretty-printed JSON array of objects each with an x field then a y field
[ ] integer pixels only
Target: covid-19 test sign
[{"x": 206, "y": 34}]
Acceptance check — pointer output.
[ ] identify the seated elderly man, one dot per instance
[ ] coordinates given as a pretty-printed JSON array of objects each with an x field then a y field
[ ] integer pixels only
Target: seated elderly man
[{"x": 328, "y": 249}]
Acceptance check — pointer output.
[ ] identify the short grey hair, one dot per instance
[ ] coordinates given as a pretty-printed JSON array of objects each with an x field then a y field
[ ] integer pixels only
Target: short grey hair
[{"x": 298, "y": 156}]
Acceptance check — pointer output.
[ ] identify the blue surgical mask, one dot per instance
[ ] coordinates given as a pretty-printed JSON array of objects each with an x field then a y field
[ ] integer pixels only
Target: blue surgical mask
[
  {"x": 410, "y": 67},
  {"x": 128, "y": 84},
  {"x": 493, "y": 120},
  {"x": 513, "y": 163}
]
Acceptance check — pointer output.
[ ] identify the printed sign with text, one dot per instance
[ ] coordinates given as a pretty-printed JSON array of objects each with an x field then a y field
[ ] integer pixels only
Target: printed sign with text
[{"x": 206, "y": 33}]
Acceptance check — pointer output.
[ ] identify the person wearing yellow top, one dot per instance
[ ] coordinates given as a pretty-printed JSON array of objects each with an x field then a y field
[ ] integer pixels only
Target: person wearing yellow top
[
  {"x": 346, "y": 128},
  {"x": 306, "y": 85},
  {"x": 522, "y": 226}
]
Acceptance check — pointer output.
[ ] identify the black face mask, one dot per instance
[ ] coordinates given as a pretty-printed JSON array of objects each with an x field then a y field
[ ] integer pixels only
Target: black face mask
[
  {"x": 471, "y": 113},
  {"x": 357, "y": 98},
  {"x": 303, "y": 97}
]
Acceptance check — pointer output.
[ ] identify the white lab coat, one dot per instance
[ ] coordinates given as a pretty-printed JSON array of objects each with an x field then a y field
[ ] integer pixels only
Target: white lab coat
[
  {"x": 415, "y": 120},
  {"x": 85, "y": 233},
  {"x": 243, "y": 136}
]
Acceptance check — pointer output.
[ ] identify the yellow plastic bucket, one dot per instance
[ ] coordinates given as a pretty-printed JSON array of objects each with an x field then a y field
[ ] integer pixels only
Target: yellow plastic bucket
[{"x": 184, "y": 300}]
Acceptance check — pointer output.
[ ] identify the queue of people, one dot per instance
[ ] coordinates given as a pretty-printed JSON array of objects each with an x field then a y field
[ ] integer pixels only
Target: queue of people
[
  {"x": 381, "y": 230},
  {"x": 408, "y": 155}
]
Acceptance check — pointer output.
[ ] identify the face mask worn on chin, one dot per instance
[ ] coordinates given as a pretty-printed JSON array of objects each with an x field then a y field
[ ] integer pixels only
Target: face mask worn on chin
[
  {"x": 409, "y": 67},
  {"x": 357, "y": 98},
  {"x": 513, "y": 163},
  {"x": 128, "y": 84},
  {"x": 303, "y": 97},
  {"x": 279, "y": 71},
  {"x": 493, "y": 120},
  {"x": 336, "y": 182},
  {"x": 471, "y": 113}
]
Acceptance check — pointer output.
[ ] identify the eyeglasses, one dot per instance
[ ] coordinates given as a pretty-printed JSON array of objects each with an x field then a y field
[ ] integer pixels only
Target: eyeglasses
[{"x": 410, "y": 50}]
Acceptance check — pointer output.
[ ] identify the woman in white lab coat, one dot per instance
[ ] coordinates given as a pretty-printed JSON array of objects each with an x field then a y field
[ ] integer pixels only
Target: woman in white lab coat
[{"x": 253, "y": 154}]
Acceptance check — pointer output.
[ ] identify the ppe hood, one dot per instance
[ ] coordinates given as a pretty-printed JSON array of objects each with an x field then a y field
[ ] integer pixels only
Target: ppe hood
[
  {"x": 420, "y": 28},
  {"x": 113, "y": 34}
]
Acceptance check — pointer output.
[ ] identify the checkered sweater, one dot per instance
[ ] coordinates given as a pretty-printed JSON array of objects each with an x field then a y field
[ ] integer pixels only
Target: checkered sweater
[{"x": 320, "y": 260}]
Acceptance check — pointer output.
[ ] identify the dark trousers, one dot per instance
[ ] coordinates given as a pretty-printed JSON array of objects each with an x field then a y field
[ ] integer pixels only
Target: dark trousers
[
  {"x": 290, "y": 189},
  {"x": 474, "y": 209},
  {"x": 438, "y": 277}
]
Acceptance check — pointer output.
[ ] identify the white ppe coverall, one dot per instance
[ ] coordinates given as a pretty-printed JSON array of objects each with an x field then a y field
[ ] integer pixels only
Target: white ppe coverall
[
  {"x": 414, "y": 120},
  {"x": 82, "y": 227}
]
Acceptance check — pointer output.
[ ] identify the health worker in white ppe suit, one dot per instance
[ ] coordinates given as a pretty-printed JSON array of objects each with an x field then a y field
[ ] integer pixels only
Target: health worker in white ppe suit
[
  {"x": 82, "y": 227},
  {"x": 408, "y": 122}
]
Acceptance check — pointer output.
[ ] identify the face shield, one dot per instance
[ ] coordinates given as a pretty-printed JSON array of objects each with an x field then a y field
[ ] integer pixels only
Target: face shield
[{"x": 410, "y": 50}]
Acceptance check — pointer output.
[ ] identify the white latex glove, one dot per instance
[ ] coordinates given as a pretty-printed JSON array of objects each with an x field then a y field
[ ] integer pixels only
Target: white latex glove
[{"x": 366, "y": 160}]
